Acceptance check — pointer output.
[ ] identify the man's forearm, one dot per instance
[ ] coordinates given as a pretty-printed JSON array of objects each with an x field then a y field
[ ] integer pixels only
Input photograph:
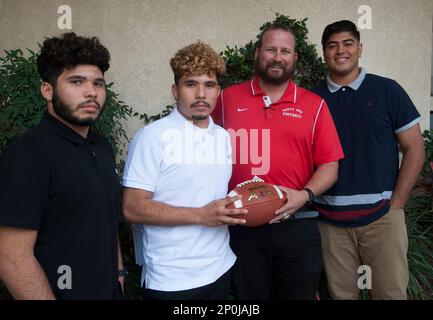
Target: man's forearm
[
  {"x": 148, "y": 211},
  {"x": 121, "y": 278},
  {"x": 138, "y": 207},
  {"x": 411, "y": 166},
  {"x": 323, "y": 178},
  {"x": 119, "y": 254},
  {"x": 25, "y": 279}
]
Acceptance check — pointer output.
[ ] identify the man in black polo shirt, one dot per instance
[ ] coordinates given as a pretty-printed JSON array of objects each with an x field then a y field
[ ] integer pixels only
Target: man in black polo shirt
[
  {"x": 58, "y": 185},
  {"x": 362, "y": 218}
]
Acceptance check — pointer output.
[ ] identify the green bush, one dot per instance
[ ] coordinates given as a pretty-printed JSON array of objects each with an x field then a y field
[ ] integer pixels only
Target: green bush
[
  {"x": 428, "y": 164},
  {"x": 21, "y": 104},
  {"x": 419, "y": 221}
]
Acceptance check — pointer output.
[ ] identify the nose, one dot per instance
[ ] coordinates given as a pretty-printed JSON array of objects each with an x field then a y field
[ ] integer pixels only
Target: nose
[
  {"x": 90, "y": 90},
  {"x": 340, "y": 48},
  {"x": 277, "y": 56},
  {"x": 201, "y": 92}
]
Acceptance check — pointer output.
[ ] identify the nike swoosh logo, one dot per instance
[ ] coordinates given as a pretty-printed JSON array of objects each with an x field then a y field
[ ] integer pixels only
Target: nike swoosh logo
[{"x": 240, "y": 109}]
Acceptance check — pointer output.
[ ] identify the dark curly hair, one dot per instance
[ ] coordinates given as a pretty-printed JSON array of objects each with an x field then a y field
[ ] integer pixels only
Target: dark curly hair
[{"x": 58, "y": 54}]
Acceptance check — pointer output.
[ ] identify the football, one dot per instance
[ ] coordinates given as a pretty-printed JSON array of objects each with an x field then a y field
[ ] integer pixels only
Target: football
[{"x": 261, "y": 199}]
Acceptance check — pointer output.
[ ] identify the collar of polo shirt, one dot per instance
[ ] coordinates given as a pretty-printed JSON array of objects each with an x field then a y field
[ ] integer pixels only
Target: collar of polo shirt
[
  {"x": 289, "y": 95},
  {"x": 65, "y": 132},
  {"x": 334, "y": 87}
]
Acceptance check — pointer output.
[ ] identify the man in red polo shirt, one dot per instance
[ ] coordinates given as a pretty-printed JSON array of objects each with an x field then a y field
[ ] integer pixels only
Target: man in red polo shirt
[{"x": 285, "y": 135}]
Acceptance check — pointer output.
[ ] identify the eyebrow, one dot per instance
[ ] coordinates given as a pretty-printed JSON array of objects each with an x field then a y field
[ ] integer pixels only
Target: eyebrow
[
  {"x": 78, "y": 77},
  {"x": 344, "y": 40},
  {"x": 195, "y": 81},
  {"x": 275, "y": 47},
  {"x": 211, "y": 82}
]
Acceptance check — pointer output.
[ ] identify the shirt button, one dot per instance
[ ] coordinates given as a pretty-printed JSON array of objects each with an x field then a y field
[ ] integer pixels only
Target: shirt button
[{"x": 344, "y": 89}]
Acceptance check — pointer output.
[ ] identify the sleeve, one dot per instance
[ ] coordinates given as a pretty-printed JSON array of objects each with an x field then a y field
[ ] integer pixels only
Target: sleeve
[
  {"x": 326, "y": 144},
  {"x": 403, "y": 112},
  {"x": 24, "y": 187},
  {"x": 142, "y": 167}
]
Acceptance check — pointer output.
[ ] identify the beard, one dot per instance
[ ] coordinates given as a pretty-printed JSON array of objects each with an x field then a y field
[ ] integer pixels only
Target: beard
[
  {"x": 64, "y": 111},
  {"x": 200, "y": 116},
  {"x": 266, "y": 76}
]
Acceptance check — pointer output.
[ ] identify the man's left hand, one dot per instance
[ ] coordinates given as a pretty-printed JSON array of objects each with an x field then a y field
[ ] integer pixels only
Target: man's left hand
[
  {"x": 295, "y": 200},
  {"x": 122, "y": 283}
]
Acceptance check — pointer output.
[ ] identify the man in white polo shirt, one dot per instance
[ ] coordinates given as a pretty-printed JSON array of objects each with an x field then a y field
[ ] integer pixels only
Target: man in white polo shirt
[{"x": 176, "y": 168}]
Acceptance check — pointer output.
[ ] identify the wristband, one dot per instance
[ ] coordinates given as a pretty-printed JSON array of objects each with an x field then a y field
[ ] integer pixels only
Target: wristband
[{"x": 123, "y": 273}]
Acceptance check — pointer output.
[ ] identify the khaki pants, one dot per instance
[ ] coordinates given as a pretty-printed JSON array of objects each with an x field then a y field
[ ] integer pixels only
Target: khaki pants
[{"x": 381, "y": 245}]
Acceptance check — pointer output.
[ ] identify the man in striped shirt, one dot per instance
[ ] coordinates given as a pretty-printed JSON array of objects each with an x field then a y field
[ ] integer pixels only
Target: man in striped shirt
[{"x": 362, "y": 216}]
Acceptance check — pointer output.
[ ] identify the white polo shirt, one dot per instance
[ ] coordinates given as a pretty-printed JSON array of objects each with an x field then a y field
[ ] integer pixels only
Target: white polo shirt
[{"x": 184, "y": 166}]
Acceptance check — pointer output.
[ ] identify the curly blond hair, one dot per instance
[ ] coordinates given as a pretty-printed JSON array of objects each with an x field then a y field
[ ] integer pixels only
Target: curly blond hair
[{"x": 197, "y": 59}]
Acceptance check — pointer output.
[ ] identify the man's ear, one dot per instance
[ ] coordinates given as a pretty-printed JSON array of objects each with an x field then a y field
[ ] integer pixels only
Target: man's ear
[
  {"x": 47, "y": 91},
  {"x": 174, "y": 91},
  {"x": 360, "y": 49},
  {"x": 256, "y": 54}
]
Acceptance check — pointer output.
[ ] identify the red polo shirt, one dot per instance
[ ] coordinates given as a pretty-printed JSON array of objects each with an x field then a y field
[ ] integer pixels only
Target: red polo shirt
[{"x": 280, "y": 142}]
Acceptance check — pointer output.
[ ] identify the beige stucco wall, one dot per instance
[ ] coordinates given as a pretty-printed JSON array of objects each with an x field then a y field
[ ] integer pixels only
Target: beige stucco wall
[{"x": 142, "y": 35}]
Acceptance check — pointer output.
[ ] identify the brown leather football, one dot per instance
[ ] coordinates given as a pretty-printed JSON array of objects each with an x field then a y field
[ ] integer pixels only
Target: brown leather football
[{"x": 261, "y": 199}]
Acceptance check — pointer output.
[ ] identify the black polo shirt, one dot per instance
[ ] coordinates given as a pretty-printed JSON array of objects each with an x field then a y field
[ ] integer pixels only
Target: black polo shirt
[{"x": 65, "y": 186}]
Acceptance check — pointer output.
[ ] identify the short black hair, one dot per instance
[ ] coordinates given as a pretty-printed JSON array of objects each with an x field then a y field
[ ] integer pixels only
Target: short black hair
[
  {"x": 271, "y": 27},
  {"x": 337, "y": 27},
  {"x": 68, "y": 51}
]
